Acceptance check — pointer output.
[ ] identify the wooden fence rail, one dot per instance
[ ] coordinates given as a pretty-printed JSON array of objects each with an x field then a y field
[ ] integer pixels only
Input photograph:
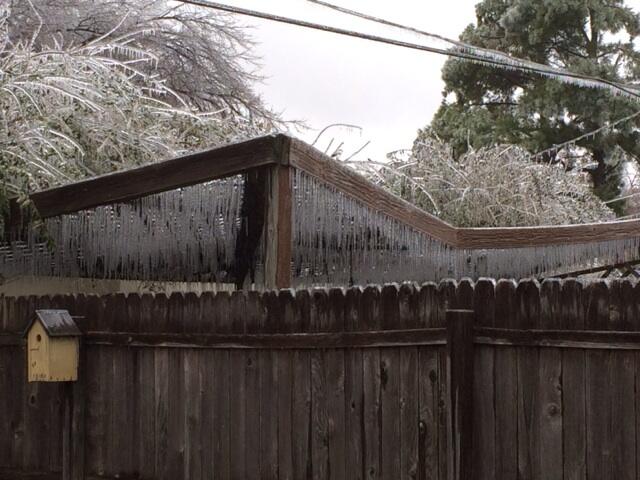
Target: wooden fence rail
[{"x": 455, "y": 380}]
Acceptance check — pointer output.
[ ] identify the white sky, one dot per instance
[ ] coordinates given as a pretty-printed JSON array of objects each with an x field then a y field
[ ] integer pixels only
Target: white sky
[{"x": 323, "y": 78}]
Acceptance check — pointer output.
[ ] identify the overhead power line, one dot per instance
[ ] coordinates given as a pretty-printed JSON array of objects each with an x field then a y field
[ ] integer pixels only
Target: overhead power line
[
  {"x": 507, "y": 62},
  {"x": 492, "y": 54}
]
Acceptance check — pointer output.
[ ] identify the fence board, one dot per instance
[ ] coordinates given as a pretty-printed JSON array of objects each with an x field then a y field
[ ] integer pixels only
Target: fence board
[
  {"x": 371, "y": 385},
  {"x": 300, "y": 418},
  {"x": 506, "y": 387},
  {"x": 252, "y": 381},
  {"x": 598, "y": 408},
  {"x": 146, "y": 390},
  {"x": 528, "y": 361},
  {"x": 550, "y": 387},
  {"x": 573, "y": 385},
  {"x": 319, "y": 393},
  {"x": 193, "y": 319},
  {"x": 447, "y": 299},
  {"x": 484, "y": 448},
  {"x": 334, "y": 361},
  {"x": 622, "y": 386},
  {"x": 354, "y": 421},
  {"x": 286, "y": 311},
  {"x": 390, "y": 388},
  {"x": 409, "y": 385},
  {"x": 237, "y": 390},
  {"x": 428, "y": 384},
  {"x": 220, "y": 407}
]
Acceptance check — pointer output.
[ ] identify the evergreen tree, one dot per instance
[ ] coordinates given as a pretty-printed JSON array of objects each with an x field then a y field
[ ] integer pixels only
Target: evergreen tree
[{"x": 486, "y": 106}]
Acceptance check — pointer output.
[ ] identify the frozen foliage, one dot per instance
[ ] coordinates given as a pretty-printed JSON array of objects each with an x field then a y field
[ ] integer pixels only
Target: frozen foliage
[
  {"x": 204, "y": 55},
  {"x": 491, "y": 187},
  {"x": 69, "y": 110}
]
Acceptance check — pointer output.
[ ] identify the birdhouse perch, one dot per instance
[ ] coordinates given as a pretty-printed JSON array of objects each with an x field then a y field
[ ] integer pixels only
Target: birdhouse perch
[{"x": 52, "y": 347}]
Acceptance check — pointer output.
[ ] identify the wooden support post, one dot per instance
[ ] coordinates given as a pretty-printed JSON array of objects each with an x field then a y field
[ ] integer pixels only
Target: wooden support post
[
  {"x": 278, "y": 227},
  {"x": 460, "y": 377}
]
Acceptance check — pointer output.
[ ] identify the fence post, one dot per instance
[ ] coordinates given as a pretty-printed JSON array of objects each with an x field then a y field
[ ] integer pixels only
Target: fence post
[
  {"x": 278, "y": 220},
  {"x": 460, "y": 401}
]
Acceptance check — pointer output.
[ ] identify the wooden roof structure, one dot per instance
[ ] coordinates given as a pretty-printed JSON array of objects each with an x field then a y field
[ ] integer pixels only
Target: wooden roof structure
[{"x": 271, "y": 163}]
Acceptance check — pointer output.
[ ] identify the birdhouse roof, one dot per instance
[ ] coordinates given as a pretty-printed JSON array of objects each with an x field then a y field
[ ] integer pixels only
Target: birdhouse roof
[{"x": 57, "y": 323}]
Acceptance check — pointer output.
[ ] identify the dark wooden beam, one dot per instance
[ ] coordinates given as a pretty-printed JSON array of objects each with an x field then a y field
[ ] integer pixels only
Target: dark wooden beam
[
  {"x": 516, "y": 237},
  {"x": 583, "y": 339},
  {"x": 162, "y": 176},
  {"x": 373, "y": 339}
]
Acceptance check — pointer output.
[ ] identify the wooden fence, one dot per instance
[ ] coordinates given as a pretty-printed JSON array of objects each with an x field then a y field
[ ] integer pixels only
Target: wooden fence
[{"x": 538, "y": 383}]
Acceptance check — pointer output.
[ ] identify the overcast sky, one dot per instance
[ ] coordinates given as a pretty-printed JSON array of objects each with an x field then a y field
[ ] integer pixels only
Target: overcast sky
[{"x": 323, "y": 78}]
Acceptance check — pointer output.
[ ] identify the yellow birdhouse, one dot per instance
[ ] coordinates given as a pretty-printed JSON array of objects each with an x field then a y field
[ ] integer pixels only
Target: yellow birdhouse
[{"x": 52, "y": 347}]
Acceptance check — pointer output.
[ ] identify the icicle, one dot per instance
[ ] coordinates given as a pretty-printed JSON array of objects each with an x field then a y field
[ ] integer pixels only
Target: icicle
[{"x": 185, "y": 234}]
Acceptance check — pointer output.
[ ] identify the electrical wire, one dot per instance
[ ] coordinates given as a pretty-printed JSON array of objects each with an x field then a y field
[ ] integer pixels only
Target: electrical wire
[{"x": 544, "y": 70}]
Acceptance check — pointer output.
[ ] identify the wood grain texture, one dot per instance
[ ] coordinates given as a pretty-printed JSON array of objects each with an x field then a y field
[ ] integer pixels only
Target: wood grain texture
[
  {"x": 573, "y": 385},
  {"x": 460, "y": 402},
  {"x": 514, "y": 237},
  {"x": 550, "y": 385},
  {"x": 598, "y": 407},
  {"x": 506, "y": 388},
  {"x": 371, "y": 387},
  {"x": 484, "y": 418},
  {"x": 159, "y": 177},
  {"x": 428, "y": 384}
]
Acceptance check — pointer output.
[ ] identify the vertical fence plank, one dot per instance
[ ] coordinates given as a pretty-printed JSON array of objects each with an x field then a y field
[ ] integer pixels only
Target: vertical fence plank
[
  {"x": 161, "y": 368},
  {"x": 334, "y": 361},
  {"x": 598, "y": 413},
  {"x": 409, "y": 391},
  {"x": 255, "y": 312},
  {"x": 36, "y": 422},
  {"x": 506, "y": 387},
  {"x": 5, "y": 386},
  {"x": 319, "y": 415},
  {"x": 207, "y": 381},
  {"x": 390, "y": 388},
  {"x": 573, "y": 385},
  {"x": 16, "y": 320},
  {"x": 371, "y": 386},
  {"x": 192, "y": 319},
  {"x": 622, "y": 385},
  {"x": 237, "y": 392},
  {"x": 550, "y": 388},
  {"x": 176, "y": 393},
  {"x": 146, "y": 394},
  {"x": 220, "y": 368},
  {"x": 286, "y": 314},
  {"x": 528, "y": 317},
  {"x": 484, "y": 448},
  {"x": 353, "y": 389},
  {"x": 460, "y": 403},
  {"x": 635, "y": 303},
  {"x": 428, "y": 385},
  {"x": 447, "y": 300},
  {"x": 95, "y": 388},
  {"x": 301, "y": 415},
  {"x": 269, "y": 394}
]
